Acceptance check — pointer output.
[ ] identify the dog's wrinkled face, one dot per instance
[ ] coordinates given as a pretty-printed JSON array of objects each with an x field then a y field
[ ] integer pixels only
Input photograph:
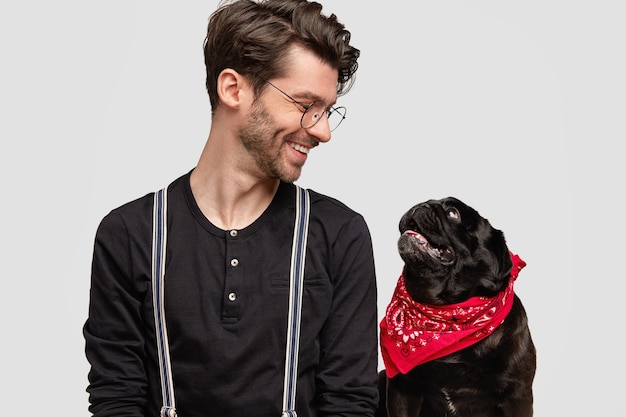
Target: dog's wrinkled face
[{"x": 451, "y": 253}]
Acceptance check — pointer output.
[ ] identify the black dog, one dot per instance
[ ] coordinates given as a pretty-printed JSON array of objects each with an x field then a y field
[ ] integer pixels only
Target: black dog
[{"x": 455, "y": 338}]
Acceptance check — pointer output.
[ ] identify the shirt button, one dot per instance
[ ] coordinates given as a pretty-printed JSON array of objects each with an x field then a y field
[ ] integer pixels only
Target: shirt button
[
  {"x": 233, "y": 233},
  {"x": 234, "y": 262},
  {"x": 232, "y": 296}
]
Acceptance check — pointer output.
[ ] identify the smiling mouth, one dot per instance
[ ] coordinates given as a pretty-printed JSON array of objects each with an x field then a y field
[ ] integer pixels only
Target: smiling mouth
[
  {"x": 300, "y": 148},
  {"x": 444, "y": 254}
]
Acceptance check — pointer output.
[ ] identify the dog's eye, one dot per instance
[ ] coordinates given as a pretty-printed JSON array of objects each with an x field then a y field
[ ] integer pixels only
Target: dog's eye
[{"x": 453, "y": 213}]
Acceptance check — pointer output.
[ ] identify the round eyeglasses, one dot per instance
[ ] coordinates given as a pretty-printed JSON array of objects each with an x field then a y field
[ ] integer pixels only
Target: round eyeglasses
[{"x": 314, "y": 112}]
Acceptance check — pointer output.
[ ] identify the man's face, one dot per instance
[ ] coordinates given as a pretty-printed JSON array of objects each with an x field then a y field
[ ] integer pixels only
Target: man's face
[{"x": 272, "y": 133}]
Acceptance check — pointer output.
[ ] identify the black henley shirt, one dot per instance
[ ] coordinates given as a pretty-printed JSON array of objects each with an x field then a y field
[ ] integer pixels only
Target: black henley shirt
[{"x": 226, "y": 302}]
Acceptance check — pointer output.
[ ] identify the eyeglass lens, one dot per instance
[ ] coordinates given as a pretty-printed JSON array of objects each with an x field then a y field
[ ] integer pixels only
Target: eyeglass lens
[{"x": 315, "y": 112}]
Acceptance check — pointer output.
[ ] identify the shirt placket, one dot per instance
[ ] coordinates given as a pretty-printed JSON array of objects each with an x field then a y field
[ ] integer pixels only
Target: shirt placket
[{"x": 232, "y": 296}]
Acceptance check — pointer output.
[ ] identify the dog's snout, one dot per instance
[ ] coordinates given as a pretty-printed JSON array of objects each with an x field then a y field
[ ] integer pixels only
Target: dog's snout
[{"x": 420, "y": 217}]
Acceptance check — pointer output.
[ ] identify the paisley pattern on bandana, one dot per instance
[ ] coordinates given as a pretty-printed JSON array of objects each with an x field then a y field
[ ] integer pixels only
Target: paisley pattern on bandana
[{"x": 413, "y": 333}]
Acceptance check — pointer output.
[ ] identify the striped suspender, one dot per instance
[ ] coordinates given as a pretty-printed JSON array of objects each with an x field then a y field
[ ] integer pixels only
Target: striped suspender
[
  {"x": 159, "y": 241},
  {"x": 296, "y": 277},
  {"x": 298, "y": 252}
]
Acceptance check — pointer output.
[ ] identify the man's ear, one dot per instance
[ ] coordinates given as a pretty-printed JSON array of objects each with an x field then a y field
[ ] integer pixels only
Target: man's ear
[{"x": 233, "y": 89}]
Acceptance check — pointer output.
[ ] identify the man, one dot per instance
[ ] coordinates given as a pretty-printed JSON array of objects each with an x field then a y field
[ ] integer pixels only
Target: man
[{"x": 274, "y": 71}]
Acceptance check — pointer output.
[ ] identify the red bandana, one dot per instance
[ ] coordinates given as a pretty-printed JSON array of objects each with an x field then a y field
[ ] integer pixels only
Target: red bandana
[{"x": 414, "y": 333}]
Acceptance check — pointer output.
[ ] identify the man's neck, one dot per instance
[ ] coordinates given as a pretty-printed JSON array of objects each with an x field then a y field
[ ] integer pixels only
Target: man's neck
[{"x": 231, "y": 200}]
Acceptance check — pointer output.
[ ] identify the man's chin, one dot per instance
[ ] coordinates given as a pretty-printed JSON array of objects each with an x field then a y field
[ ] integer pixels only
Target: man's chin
[{"x": 291, "y": 175}]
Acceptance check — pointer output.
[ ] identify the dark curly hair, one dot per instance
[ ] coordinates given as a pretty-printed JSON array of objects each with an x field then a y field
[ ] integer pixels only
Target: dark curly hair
[{"x": 252, "y": 38}]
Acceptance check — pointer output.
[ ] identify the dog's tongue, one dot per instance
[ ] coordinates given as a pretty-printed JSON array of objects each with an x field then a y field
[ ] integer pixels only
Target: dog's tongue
[
  {"x": 443, "y": 254},
  {"x": 419, "y": 237}
]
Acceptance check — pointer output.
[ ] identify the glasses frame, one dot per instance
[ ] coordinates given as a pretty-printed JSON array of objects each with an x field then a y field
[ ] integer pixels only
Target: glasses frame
[{"x": 327, "y": 110}]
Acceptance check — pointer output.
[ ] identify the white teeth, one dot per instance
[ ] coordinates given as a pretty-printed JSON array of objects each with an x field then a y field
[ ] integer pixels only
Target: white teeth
[{"x": 300, "y": 148}]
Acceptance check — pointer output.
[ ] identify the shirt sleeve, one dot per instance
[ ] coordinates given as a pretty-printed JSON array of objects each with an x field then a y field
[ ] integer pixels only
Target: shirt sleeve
[
  {"x": 347, "y": 379},
  {"x": 114, "y": 330}
]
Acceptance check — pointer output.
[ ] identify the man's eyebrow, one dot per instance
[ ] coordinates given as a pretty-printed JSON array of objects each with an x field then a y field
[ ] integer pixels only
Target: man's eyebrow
[
  {"x": 310, "y": 95},
  {"x": 306, "y": 94}
]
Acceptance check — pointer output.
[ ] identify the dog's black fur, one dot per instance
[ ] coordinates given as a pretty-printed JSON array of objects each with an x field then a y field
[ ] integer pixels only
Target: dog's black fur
[{"x": 465, "y": 257}]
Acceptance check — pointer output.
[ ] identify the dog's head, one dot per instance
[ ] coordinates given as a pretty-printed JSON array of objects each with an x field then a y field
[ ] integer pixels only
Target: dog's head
[{"x": 451, "y": 253}]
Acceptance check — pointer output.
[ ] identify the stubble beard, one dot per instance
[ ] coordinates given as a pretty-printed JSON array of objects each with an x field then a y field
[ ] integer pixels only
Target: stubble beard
[{"x": 265, "y": 144}]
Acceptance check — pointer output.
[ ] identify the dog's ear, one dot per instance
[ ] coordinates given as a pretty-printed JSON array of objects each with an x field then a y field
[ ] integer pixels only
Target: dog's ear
[{"x": 501, "y": 265}]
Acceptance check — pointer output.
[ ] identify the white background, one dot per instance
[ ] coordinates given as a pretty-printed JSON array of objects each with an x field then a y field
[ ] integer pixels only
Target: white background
[{"x": 515, "y": 107}]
